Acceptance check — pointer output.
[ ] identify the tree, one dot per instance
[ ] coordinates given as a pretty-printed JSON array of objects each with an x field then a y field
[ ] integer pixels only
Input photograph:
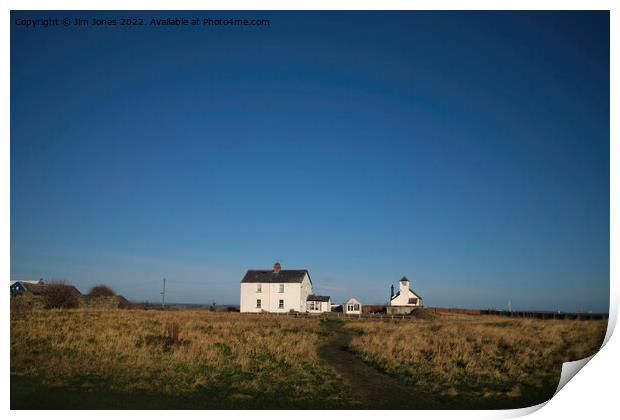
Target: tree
[
  {"x": 101, "y": 290},
  {"x": 59, "y": 295}
]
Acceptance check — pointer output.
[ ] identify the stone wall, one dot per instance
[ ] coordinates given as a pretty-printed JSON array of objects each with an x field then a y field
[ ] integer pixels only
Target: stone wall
[
  {"x": 102, "y": 302},
  {"x": 400, "y": 310},
  {"x": 374, "y": 309}
]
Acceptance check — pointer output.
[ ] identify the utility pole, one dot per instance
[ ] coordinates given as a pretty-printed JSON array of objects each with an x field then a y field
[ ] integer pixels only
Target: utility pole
[{"x": 163, "y": 294}]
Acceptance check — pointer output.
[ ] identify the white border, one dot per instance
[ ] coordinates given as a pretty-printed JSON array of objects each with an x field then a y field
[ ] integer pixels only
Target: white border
[{"x": 593, "y": 395}]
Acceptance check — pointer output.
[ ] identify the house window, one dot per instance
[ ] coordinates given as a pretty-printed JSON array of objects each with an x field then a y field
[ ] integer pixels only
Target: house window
[
  {"x": 281, "y": 288},
  {"x": 259, "y": 288},
  {"x": 414, "y": 301},
  {"x": 356, "y": 307},
  {"x": 258, "y": 302},
  {"x": 281, "y": 304}
]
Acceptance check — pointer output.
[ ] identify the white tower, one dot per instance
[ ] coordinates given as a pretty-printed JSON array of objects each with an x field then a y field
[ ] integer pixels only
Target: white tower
[{"x": 404, "y": 286}]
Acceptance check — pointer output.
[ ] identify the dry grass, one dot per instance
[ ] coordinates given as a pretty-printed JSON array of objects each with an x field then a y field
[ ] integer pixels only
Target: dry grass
[
  {"x": 176, "y": 353},
  {"x": 476, "y": 356},
  {"x": 228, "y": 360}
]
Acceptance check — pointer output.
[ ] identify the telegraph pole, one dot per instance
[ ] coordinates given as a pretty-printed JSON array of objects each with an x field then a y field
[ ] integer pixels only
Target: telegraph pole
[{"x": 163, "y": 294}]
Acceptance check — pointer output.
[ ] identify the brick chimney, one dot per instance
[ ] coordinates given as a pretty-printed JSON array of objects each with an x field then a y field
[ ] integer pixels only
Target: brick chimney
[{"x": 277, "y": 267}]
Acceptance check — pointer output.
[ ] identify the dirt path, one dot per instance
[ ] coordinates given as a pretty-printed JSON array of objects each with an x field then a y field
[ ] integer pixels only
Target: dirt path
[{"x": 374, "y": 389}]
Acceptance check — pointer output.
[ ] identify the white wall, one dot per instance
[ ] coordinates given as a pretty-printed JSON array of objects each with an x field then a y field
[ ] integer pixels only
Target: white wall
[
  {"x": 323, "y": 307},
  {"x": 306, "y": 289}
]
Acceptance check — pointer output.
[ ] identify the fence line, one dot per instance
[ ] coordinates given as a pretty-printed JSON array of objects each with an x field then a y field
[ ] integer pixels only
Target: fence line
[
  {"x": 401, "y": 317},
  {"x": 523, "y": 314}
]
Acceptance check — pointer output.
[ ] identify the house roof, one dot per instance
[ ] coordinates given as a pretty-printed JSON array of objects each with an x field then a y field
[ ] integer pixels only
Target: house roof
[
  {"x": 398, "y": 294},
  {"x": 317, "y": 298},
  {"x": 35, "y": 289},
  {"x": 40, "y": 281},
  {"x": 353, "y": 300},
  {"x": 41, "y": 289},
  {"x": 270, "y": 276}
]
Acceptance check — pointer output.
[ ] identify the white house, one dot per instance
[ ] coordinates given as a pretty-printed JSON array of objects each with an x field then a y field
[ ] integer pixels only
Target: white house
[
  {"x": 316, "y": 304},
  {"x": 405, "y": 299},
  {"x": 352, "y": 307},
  {"x": 280, "y": 291}
]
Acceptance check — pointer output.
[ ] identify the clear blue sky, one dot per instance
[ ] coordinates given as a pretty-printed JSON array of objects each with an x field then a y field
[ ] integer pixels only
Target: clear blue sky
[{"x": 467, "y": 151}]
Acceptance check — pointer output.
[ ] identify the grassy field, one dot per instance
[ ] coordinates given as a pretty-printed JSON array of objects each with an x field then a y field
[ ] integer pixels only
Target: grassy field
[
  {"x": 477, "y": 357},
  {"x": 130, "y": 359},
  {"x": 220, "y": 360}
]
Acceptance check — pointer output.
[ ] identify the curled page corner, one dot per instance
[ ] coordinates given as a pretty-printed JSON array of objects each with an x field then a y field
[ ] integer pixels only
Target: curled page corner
[
  {"x": 570, "y": 369},
  {"x": 611, "y": 323},
  {"x": 521, "y": 412}
]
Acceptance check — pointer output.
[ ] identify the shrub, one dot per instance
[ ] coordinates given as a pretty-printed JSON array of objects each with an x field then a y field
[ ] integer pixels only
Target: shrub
[
  {"x": 59, "y": 295},
  {"x": 101, "y": 290}
]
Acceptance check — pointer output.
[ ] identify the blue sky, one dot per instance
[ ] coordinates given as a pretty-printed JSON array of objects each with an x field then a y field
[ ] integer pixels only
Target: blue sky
[{"x": 468, "y": 151}]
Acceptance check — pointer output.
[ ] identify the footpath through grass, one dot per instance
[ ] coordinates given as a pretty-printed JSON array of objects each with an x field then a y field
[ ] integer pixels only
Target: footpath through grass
[
  {"x": 371, "y": 388},
  {"x": 133, "y": 359}
]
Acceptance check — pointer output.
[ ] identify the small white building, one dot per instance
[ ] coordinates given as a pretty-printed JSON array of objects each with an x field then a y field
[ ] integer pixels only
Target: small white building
[
  {"x": 316, "y": 304},
  {"x": 352, "y": 307},
  {"x": 280, "y": 291},
  {"x": 405, "y": 300}
]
